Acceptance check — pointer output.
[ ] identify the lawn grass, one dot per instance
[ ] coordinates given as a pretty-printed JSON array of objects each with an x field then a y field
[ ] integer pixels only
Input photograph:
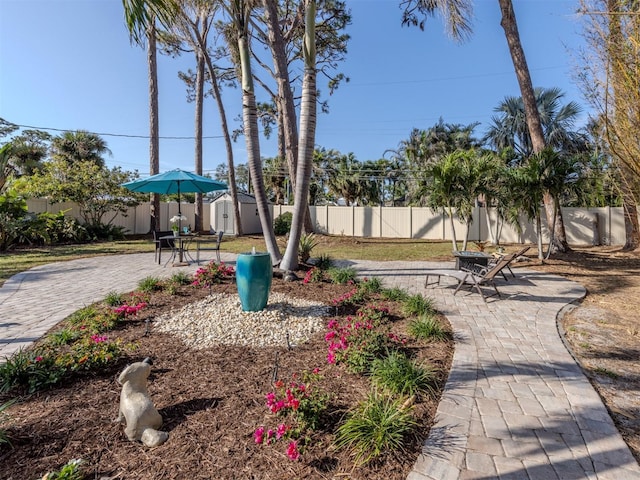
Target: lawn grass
[{"x": 336, "y": 247}]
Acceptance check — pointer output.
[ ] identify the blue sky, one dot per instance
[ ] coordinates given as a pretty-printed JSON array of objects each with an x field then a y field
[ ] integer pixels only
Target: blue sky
[{"x": 69, "y": 65}]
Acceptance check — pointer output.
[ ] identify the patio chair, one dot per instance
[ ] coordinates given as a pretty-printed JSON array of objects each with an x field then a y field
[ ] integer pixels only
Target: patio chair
[
  {"x": 161, "y": 243},
  {"x": 209, "y": 243},
  {"x": 514, "y": 257},
  {"x": 475, "y": 278}
]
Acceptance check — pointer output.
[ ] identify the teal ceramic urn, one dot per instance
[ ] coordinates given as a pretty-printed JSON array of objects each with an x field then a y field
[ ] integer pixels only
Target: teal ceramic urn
[{"x": 254, "y": 273}]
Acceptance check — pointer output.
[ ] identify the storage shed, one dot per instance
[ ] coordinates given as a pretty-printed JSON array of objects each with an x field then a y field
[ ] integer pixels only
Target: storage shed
[{"x": 223, "y": 218}]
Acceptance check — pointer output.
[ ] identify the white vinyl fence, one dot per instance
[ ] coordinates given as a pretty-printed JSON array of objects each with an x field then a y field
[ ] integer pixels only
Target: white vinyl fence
[{"x": 592, "y": 226}]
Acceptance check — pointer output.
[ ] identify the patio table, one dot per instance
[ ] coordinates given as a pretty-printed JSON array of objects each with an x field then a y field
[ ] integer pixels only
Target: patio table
[
  {"x": 469, "y": 259},
  {"x": 180, "y": 248}
]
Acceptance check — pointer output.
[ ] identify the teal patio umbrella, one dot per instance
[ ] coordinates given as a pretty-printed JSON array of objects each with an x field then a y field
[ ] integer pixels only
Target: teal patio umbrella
[{"x": 175, "y": 181}]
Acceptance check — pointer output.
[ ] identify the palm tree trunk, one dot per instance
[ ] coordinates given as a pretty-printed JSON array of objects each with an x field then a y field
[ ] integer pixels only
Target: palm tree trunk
[
  {"x": 285, "y": 103},
  {"x": 454, "y": 240},
  {"x": 250, "y": 120},
  {"x": 306, "y": 140},
  {"x": 154, "y": 130},
  {"x": 199, "y": 101},
  {"x": 539, "y": 236},
  {"x": 534, "y": 124},
  {"x": 224, "y": 126},
  {"x": 465, "y": 242}
]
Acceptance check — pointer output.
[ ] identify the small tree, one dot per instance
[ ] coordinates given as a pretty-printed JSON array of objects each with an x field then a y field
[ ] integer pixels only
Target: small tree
[{"x": 95, "y": 188}]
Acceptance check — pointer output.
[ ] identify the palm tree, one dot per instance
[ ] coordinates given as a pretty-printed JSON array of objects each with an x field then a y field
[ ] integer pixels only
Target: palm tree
[
  {"x": 306, "y": 140},
  {"x": 442, "y": 186},
  {"x": 343, "y": 175},
  {"x": 5, "y": 165},
  {"x": 509, "y": 128},
  {"x": 140, "y": 18},
  {"x": 192, "y": 24},
  {"x": 427, "y": 146},
  {"x": 533, "y": 118},
  {"x": 240, "y": 11},
  {"x": 79, "y": 146},
  {"x": 23, "y": 155},
  {"x": 457, "y": 14}
]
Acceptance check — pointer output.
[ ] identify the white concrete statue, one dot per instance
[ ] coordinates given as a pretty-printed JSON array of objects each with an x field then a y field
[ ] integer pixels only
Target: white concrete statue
[{"x": 136, "y": 408}]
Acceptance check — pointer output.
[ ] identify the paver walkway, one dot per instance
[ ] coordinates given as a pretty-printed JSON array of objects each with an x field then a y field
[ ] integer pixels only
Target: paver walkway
[{"x": 516, "y": 405}]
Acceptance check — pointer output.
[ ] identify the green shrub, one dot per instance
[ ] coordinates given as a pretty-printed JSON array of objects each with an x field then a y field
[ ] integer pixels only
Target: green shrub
[
  {"x": 426, "y": 327},
  {"x": 307, "y": 243},
  {"x": 70, "y": 471},
  {"x": 82, "y": 316},
  {"x": 63, "y": 337},
  {"x": 401, "y": 376},
  {"x": 4, "y": 437},
  {"x": 181, "y": 278},
  {"x": 113, "y": 299},
  {"x": 103, "y": 231},
  {"x": 365, "y": 346},
  {"x": 342, "y": 275},
  {"x": 32, "y": 371},
  {"x": 13, "y": 209},
  {"x": 370, "y": 286},
  {"x": 282, "y": 223},
  {"x": 395, "y": 294},
  {"x": 376, "y": 426},
  {"x": 323, "y": 262},
  {"x": 92, "y": 319},
  {"x": 149, "y": 284},
  {"x": 418, "y": 305}
]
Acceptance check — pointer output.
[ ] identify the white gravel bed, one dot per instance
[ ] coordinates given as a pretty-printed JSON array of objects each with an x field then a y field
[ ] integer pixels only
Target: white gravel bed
[{"x": 220, "y": 320}]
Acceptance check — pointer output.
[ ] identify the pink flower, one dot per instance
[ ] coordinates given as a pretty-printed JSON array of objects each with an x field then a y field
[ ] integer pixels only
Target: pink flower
[
  {"x": 281, "y": 431},
  {"x": 316, "y": 371},
  {"x": 331, "y": 358},
  {"x": 258, "y": 435},
  {"x": 270, "y": 435},
  {"x": 39, "y": 358},
  {"x": 292, "y": 451}
]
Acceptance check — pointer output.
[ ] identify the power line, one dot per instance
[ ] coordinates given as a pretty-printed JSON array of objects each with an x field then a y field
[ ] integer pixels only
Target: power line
[{"x": 123, "y": 135}]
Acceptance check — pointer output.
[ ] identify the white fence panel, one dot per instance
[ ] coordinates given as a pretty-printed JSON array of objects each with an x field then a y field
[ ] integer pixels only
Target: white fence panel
[
  {"x": 583, "y": 226},
  {"x": 341, "y": 221},
  {"x": 366, "y": 221},
  {"x": 426, "y": 224},
  {"x": 616, "y": 227}
]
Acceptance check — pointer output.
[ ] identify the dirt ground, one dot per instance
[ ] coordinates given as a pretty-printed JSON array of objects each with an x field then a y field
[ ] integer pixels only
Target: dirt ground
[
  {"x": 211, "y": 401},
  {"x": 603, "y": 331}
]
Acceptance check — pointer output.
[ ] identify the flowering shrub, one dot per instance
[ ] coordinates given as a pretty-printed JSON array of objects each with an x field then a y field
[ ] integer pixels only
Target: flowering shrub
[
  {"x": 358, "y": 294},
  {"x": 126, "y": 310},
  {"x": 212, "y": 273},
  {"x": 90, "y": 352},
  {"x": 373, "y": 313},
  {"x": 81, "y": 345},
  {"x": 358, "y": 342},
  {"x": 313, "y": 275},
  {"x": 346, "y": 298},
  {"x": 301, "y": 405}
]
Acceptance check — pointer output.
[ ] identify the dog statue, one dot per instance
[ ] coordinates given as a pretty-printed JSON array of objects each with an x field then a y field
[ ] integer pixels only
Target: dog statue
[{"x": 136, "y": 408}]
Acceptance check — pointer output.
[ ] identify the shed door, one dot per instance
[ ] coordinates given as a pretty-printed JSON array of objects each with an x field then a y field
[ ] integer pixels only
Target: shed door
[{"x": 225, "y": 217}]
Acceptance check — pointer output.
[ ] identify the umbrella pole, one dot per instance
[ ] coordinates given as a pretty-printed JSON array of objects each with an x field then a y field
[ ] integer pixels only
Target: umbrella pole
[{"x": 179, "y": 212}]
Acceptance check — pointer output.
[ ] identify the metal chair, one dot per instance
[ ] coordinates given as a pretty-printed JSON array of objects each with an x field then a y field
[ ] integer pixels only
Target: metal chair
[
  {"x": 162, "y": 243},
  {"x": 205, "y": 244}
]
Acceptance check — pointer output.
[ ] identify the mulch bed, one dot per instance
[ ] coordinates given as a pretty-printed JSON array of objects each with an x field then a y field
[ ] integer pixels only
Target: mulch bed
[{"x": 211, "y": 401}]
